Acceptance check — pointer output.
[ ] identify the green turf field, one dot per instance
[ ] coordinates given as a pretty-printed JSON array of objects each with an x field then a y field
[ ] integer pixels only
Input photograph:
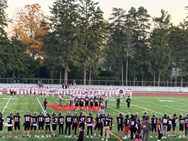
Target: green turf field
[{"x": 158, "y": 105}]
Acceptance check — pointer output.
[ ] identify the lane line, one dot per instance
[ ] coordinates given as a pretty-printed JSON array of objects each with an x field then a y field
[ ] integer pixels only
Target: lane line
[{"x": 7, "y": 104}]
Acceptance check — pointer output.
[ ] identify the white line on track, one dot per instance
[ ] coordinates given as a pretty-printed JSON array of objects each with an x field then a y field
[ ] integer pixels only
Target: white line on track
[
  {"x": 162, "y": 105},
  {"x": 41, "y": 105},
  {"x": 7, "y": 104}
]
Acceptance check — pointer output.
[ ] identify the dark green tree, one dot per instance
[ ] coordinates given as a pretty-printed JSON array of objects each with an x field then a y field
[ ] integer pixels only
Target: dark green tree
[
  {"x": 64, "y": 21},
  {"x": 92, "y": 33},
  {"x": 160, "y": 52}
]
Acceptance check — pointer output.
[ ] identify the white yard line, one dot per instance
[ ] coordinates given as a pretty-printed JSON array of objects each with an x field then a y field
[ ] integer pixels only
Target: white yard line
[
  {"x": 41, "y": 105},
  {"x": 7, "y": 104},
  {"x": 116, "y": 110},
  {"x": 146, "y": 109},
  {"x": 162, "y": 105}
]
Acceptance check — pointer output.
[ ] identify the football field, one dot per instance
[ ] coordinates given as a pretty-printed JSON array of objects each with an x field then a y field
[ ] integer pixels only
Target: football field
[{"x": 139, "y": 104}]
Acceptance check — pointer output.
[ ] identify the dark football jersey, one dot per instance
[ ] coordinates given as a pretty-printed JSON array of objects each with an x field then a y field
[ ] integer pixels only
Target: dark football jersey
[
  {"x": 82, "y": 119},
  {"x": 54, "y": 120},
  {"x": 91, "y": 99},
  {"x": 9, "y": 119},
  {"x": 120, "y": 120},
  {"x": 127, "y": 122},
  {"x": 154, "y": 120},
  {"x": 34, "y": 120},
  {"x": 181, "y": 121},
  {"x": 68, "y": 119},
  {"x": 75, "y": 119},
  {"x": 27, "y": 118},
  {"x": 111, "y": 120},
  {"x": 186, "y": 122},
  {"x": 106, "y": 121},
  {"x": 61, "y": 120},
  {"x": 47, "y": 120},
  {"x": 89, "y": 119},
  {"x": 1, "y": 121},
  {"x": 41, "y": 119},
  {"x": 98, "y": 120},
  {"x": 16, "y": 119},
  {"x": 86, "y": 99}
]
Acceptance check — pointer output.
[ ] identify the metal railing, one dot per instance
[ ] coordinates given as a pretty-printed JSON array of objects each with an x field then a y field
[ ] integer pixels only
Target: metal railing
[{"x": 95, "y": 82}]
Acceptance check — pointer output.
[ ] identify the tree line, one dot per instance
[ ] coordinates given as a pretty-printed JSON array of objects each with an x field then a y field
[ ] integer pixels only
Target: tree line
[{"x": 76, "y": 42}]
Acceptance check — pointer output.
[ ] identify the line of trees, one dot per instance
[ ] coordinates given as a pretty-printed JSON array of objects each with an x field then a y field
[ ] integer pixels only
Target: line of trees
[{"x": 76, "y": 42}]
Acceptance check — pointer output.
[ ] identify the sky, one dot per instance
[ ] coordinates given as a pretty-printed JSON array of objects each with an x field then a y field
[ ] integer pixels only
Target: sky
[{"x": 176, "y": 8}]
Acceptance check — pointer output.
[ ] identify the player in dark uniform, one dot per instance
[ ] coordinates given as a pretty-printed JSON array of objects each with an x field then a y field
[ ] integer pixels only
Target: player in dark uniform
[
  {"x": 126, "y": 126},
  {"x": 181, "y": 125},
  {"x": 118, "y": 102},
  {"x": 1, "y": 123},
  {"x": 132, "y": 125},
  {"x": 27, "y": 124},
  {"x": 186, "y": 126},
  {"x": 89, "y": 121},
  {"x": 106, "y": 127},
  {"x": 100, "y": 101},
  {"x": 81, "y": 102},
  {"x": 169, "y": 126},
  {"x": 68, "y": 120},
  {"x": 128, "y": 101},
  {"x": 16, "y": 119},
  {"x": 82, "y": 120},
  {"x": 34, "y": 124},
  {"x": 10, "y": 124},
  {"x": 154, "y": 124},
  {"x": 76, "y": 101},
  {"x": 47, "y": 120},
  {"x": 86, "y": 101},
  {"x": 91, "y": 100},
  {"x": 174, "y": 120},
  {"x": 102, "y": 117},
  {"x": 54, "y": 124},
  {"x": 61, "y": 124},
  {"x": 96, "y": 101},
  {"x": 75, "y": 123},
  {"x": 120, "y": 124},
  {"x": 111, "y": 121},
  {"x": 40, "y": 120},
  {"x": 97, "y": 124}
]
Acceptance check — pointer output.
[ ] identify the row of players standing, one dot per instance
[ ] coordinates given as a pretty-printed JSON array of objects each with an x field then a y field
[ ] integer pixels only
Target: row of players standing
[
  {"x": 88, "y": 101},
  {"x": 74, "y": 91},
  {"x": 49, "y": 123}
]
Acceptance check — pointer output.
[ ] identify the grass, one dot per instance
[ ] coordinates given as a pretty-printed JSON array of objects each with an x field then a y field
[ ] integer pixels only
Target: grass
[{"x": 158, "y": 105}]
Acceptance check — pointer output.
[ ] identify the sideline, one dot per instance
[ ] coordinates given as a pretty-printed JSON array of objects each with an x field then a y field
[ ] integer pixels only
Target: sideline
[{"x": 7, "y": 104}]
